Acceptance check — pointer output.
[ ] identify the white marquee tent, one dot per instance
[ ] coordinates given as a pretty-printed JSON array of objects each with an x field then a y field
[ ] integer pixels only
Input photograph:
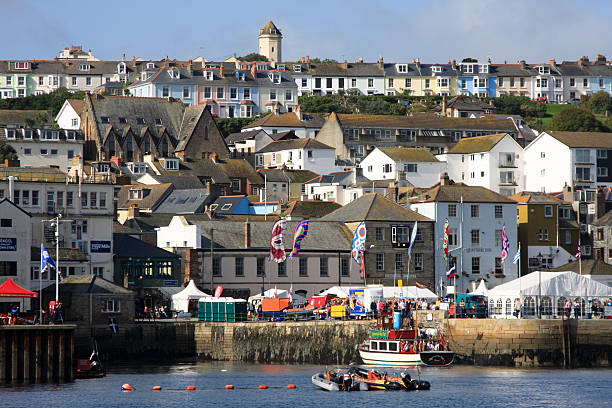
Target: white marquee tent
[
  {"x": 553, "y": 289},
  {"x": 481, "y": 289},
  {"x": 405, "y": 292},
  {"x": 180, "y": 301}
]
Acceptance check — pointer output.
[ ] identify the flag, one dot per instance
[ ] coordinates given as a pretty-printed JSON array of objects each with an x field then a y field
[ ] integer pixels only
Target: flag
[
  {"x": 445, "y": 242},
  {"x": 420, "y": 285},
  {"x": 362, "y": 266},
  {"x": 45, "y": 259},
  {"x": 277, "y": 247},
  {"x": 412, "y": 239},
  {"x": 505, "y": 244},
  {"x": 300, "y": 233},
  {"x": 359, "y": 242},
  {"x": 579, "y": 253},
  {"x": 518, "y": 255},
  {"x": 291, "y": 293},
  {"x": 451, "y": 273}
]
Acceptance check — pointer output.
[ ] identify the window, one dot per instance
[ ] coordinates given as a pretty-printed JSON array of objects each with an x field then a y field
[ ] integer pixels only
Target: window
[
  {"x": 601, "y": 83},
  {"x": 88, "y": 81},
  {"x": 328, "y": 83},
  {"x": 236, "y": 185},
  {"x": 288, "y": 95},
  {"x": 323, "y": 267},
  {"x": 585, "y": 82},
  {"x": 69, "y": 199},
  {"x": 500, "y": 81},
  {"x": 27, "y": 151},
  {"x": 8, "y": 268},
  {"x": 344, "y": 267},
  {"x": 548, "y": 211},
  {"x": 427, "y": 81},
  {"x": 390, "y": 82},
  {"x": 387, "y": 168},
  {"x": 475, "y": 211},
  {"x": 282, "y": 269},
  {"x": 273, "y": 94},
  {"x": 499, "y": 211},
  {"x": 583, "y": 173},
  {"x": 25, "y": 197},
  {"x": 303, "y": 267},
  {"x": 583, "y": 156},
  {"x": 102, "y": 200},
  {"x": 452, "y": 237},
  {"x": 568, "y": 237},
  {"x": 602, "y": 172},
  {"x": 74, "y": 81},
  {"x": 399, "y": 261},
  {"x": 418, "y": 262},
  {"x": 207, "y": 92},
  {"x": 233, "y": 93},
  {"x": 543, "y": 234},
  {"x": 475, "y": 235},
  {"x": 220, "y": 93},
  {"x": 498, "y": 238},
  {"x": 442, "y": 82},
  {"x": 239, "y": 267},
  {"x": 380, "y": 233},
  {"x": 6, "y": 222},
  {"x": 408, "y": 82},
  {"x": 217, "y": 267},
  {"x": 41, "y": 80},
  {"x": 380, "y": 262},
  {"x": 304, "y": 82},
  {"x": 353, "y": 82},
  {"x": 498, "y": 270},
  {"x": 564, "y": 213},
  {"x": 53, "y": 152},
  {"x": 370, "y": 82},
  {"x": 261, "y": 262},
  {"x": 572, "y": 82},
  {"x": 84, "y": 199},
  {"x": 602, "y": 154},
  {"x": 35, "y": 198},
  {"x": 476, "y": 264}
]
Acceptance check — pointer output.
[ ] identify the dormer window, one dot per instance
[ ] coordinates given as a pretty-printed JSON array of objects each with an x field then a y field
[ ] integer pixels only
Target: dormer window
[
  {"x": 70, "y": 135},
  {"x": 543, "y": 70},
  {"x": 174, "y": 73},
  {"x": 49, "y": 135},
  {"x": 402, "y": 68},
  {"x": 137, "y": 167},
  {"x": 10, "y": 133},
  {"x": 261, "y": 67},
  {"x": 158, "y": 121},
  {"x": 122, "y": 120},
  {"x": 281, "y": 67},
  {"x": 105, "y": 119},
  {"x": 144, "y": 76},
  {"x": 171, "y": 164},
  {"x": 208, "y": 75},
  {"x": 297, "y": 68},
  {"x": 84, "y": 67},
  {"x": 483, "y": 69},
  {"x": 121, "y": 68},
  {"x": 22, "y": 65},
  {"x": 135, "y": 194},
  {"x": 150, "y": 65},
  {"x": 436, "y": 69},
  {"x": 140, "y": 121},
  {"x": 468, "y": 68},
  {"x": 240, "y": 76},
  {"x": 275, "y": 78},
  {"x": 27, "y": 134}
]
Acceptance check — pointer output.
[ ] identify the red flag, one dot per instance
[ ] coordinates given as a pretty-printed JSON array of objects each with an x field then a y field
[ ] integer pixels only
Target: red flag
[
  {"x": 362, "y": 266},
  {"x": 218, "y": 291}
]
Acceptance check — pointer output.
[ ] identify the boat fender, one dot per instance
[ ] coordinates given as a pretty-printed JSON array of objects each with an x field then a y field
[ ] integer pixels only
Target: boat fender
[
  {"x": 191, "y": 388},
  {"x": 291, "y": 387},
  {"x": 126, "y": 388},
  {"x": 157, "y": 388},
  {"x": 229, "y": 387},
  {"x": 263, "y": 387}
]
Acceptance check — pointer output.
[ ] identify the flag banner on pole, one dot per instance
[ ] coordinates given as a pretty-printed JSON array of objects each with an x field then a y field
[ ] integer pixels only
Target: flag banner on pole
[
  {"x": 505, "y": 245},
  {"x": 362, "y": 265},
  {"x": 277, "y": 247},
  {"x": 45, "y": 259},
  {"x": 412, "y": 239},
  {"x": 300, "y": 233},
  {"x": 445, "y": 242},
  {"x": 579, "y": 253},
  {"x": 452, "y": 273},
  {"x": 518, "y": 255},
  {"x": 359, "y": 242}
]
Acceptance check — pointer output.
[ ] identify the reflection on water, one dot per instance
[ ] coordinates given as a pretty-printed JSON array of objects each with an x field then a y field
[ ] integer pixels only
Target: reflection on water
[{"x": 456, "y": 386}]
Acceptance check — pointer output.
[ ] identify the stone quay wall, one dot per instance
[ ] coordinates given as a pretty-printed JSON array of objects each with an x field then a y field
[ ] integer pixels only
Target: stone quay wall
[{"x": 531, "y": 342}]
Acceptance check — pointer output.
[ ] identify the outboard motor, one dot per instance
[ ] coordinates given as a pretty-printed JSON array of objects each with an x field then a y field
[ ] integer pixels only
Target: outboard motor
[
  {"x": 348, "y": 382},
  {"x": 408, "y": 382}
]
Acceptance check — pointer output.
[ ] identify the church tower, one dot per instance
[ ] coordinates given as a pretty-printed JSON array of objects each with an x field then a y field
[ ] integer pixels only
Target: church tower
[{"x": 270, "y": 39}]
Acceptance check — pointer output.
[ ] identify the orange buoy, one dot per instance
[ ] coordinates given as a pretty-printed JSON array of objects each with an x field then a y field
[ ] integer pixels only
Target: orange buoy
[
  {"x": 229, "y": 387},
  {"x": 126, "y": 387},
  {"x": 291, "y": 387},
  {"x": 191, "y": 388},
  {"x": 157, "y": 388},
  {"x": 263, "y": 387}
]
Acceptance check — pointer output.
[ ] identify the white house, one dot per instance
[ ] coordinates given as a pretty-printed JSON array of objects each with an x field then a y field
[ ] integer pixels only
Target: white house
[
  {"x": 336, "y": 186},
  {"x": 476, "y": 217},
  {"x": 302, "y": 124},
  {"x": 297, "y": 154},
  {"x": 577, "y": 159},
  {"x": 69, "y": 116},
  {"x": 417, "y": 166},
  {"x": 179, "y": 234},
  {"x": 314, "y": 78},
  {"x": 492, "y": 161}
]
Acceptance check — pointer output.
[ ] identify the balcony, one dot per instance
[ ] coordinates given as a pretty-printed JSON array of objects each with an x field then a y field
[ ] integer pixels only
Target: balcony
[{"x": 507, "y": 164}]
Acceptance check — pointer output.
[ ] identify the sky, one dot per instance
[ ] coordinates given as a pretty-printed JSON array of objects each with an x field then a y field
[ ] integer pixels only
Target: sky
[{"x": 433, "y": 30}]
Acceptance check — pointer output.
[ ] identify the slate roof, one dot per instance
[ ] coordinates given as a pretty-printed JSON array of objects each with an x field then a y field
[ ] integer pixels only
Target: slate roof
[
  {"x": 209, "y": 169},
  {"x": 66, "y": 254},
  {"x": 180, "y": 182},
  {"x": 185, "y": 201},
  {"x": 342, "y": 177},
  {"x": 295, "y": 176},
  {"x": 583, "y": 139},
  {"x": 533, "y": 197},
  {"x": 190, "y": 120},
  {"x": 127, "y": 246},
  {"x": 604, "y": 221},
  {"x": 242, "y": 136},
  {"x": 153, "y": 195},
  {"x": 303, "y": 143},
  {"x": 231, "y": 203},
  {"x": 588, "y": 267},
  {"x": 286, "y": 135},
  {"x": 340, "y": 69},
  {"x": 424, "y": 121},
  {"x": 467, "y": 103},
  {"x": 238, "y": 168},
  {"x": 89, "y": 284},
  {"x": 373, "y": 207},
  {"x": 514, "y": 70},
  {"x": 402, "y": 154},
  {"x": 310, "y": 209},
  {"x": 289, "y": 119},
  {"x": 322, "y": 236},
  {"x": 454, "y": 193},
  {"x": 270, "y": 28},
  {"x": 477, "y": 144},
  {"x": 411, "y": 70},
  {"x": 17, "y": 117}
]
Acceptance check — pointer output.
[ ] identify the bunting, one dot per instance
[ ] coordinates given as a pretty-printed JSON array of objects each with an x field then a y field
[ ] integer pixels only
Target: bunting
[
  {"x": 277, "y": 247},
  {"x": 359, "y": 242},
  {"x": 301, "y": 230},
  {"x": 505, "y": 245},
  {"x": 445, "y": 242}
]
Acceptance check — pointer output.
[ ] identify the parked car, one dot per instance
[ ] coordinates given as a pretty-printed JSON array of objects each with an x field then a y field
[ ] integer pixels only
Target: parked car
[{"x": 542, "y": 99}]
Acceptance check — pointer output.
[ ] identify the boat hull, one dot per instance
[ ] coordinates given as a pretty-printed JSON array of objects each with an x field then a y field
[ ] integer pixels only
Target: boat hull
[{"x": 426, "y": 358}]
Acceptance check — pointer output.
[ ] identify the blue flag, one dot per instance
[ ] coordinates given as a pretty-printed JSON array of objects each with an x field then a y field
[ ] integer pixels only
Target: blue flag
[{"x": 45, "y": 259}]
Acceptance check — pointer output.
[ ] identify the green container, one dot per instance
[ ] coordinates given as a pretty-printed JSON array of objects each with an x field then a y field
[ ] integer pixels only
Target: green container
[
  {"x": 230, "y": 311},
  {"x": 241, "y": 311},
  {"x": 205, "y": 311}
]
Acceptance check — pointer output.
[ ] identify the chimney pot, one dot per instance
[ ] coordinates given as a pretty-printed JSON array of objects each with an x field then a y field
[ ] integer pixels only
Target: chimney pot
[{"x": 444, "y": 179}]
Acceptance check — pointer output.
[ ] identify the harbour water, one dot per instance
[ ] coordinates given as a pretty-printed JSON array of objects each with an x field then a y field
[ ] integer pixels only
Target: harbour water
[{"x": 456, "y": 386}]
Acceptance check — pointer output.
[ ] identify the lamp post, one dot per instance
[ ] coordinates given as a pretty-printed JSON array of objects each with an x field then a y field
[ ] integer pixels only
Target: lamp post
[{"x": 54, "y": 222}]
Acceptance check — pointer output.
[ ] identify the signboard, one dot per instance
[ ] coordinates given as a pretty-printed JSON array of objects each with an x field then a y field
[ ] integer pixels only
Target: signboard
[
  {"x": 100, "y": 246},
  {"x": 8, "y": 244},
  {"x": 378, "y": 334},
  {"x": 170, "y": 282},
  {"x": 356, "y": 301}
]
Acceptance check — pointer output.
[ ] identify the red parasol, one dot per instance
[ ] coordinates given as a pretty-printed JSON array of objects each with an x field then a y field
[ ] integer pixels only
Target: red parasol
[{"x": 11, "y": 289}]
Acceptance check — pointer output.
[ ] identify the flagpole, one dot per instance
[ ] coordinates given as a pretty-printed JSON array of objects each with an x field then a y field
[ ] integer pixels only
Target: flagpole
[{"x": 57, "y": 258}]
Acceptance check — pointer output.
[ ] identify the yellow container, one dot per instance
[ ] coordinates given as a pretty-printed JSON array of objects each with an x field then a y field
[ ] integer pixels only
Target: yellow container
[
  {"x": 400, "y": 282},
  {"x": 338, "y": 311}
]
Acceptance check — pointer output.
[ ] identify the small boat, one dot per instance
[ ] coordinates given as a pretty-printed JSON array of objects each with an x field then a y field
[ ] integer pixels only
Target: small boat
[
  {"x": 85, "y": 370},
  {"x": 333, "y": 380},
  {"x": 381, "y": 381}
]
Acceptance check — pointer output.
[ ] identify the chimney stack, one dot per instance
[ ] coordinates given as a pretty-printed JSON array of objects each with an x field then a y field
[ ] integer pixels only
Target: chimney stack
[
  {"x": 308, "y": 59},
  {"x": 189, "y": 67},
  {"x": 254, "y": 70},
  {"x": 552, "y": 63},
  {"x": 134, "y": 61},
  {"x": 247, "y": 234},
  {"x": 133, "y": 212},
  {"x": 444, "y": 105},
  {"x": 361, "y": 60},
  {"x": 345, "y": 64},
  {"x": 454, "y": 63},
  {"x": 522, "y": 64},
  {"x": 221, "y": 71},
  {"x": 444, "y": 179},
  {"x": 208, "y": 187}
]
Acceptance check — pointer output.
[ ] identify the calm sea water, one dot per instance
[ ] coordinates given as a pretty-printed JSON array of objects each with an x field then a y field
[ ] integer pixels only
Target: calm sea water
[{"x": 458, "y": 386}]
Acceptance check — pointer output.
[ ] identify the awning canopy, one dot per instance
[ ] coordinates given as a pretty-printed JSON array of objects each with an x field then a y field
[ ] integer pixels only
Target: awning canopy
[
  {"x": 180, "y": 301},
  {"x": 481, "y": 289},
  {"x": 567, "y": 284},
  {"x": 11, "y": 289}
]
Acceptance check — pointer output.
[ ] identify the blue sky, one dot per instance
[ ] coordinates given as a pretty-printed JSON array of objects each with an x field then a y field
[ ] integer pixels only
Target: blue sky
[{"x": 434, "y": 30}]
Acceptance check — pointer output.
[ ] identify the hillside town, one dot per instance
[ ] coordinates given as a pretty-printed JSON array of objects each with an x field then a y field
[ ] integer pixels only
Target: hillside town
[{"x": 138, "y": 184}]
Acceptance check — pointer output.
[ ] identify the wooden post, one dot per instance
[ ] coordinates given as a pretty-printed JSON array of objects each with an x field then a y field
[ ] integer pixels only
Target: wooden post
[
  {"x": 49, "y": 355},
  {"x": 26, "y": 357},
  {"x": 71, "y": 357},
  {"x": 61, "y": 374},
  {"x": 37, "y": 357},
  {"x": 3, "y": 357},
  {"x": 14, "y": 367}
]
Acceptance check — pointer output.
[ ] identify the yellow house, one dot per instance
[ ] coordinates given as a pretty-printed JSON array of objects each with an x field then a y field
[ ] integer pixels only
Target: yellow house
[
  {"x": 400, "y": 77},
  {"x": 547, "y": 230}
]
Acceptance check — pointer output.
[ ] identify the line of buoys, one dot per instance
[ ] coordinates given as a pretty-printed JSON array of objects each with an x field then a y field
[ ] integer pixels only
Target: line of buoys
[
  {"x": 126, "y": 388},
  {"x": 157, "y": 388},
  {"x": 291, "y": 387},
  {"x": 263, "y": 387},
  {"x": 191, "y": 388},
  {"x": 229, "y": 387}
]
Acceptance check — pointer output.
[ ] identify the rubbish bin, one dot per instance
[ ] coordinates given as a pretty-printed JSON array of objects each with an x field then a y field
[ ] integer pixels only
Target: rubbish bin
[{"x": 397, "y": 320}]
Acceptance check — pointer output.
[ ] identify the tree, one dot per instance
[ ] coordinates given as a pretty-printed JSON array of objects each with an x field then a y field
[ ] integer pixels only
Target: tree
[
  {"x": 228, "y": 126},
  {"x": 253, "y": 57},
  {"x": 7, "y": 152},
  {"x": 575, "y": 119},
  {"x": 599, "y": 102}
]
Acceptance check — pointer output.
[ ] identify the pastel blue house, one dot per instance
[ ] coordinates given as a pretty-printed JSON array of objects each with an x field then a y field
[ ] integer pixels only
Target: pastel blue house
[{"x": 164, "y": 83}]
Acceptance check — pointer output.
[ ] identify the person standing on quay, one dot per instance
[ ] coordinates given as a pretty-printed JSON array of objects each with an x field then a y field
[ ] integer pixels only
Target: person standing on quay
[{"x": 517, "y": 308}]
